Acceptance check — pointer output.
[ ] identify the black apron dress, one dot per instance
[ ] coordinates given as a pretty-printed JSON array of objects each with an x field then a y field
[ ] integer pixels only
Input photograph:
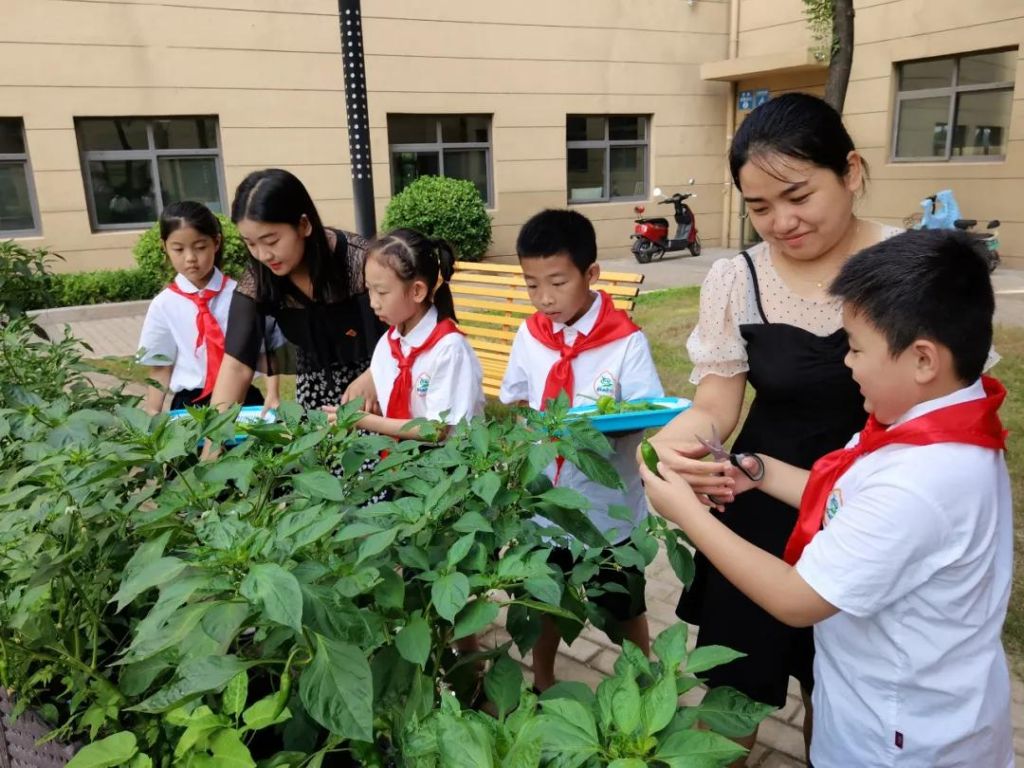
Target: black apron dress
[{"x": 806, "y": 405}]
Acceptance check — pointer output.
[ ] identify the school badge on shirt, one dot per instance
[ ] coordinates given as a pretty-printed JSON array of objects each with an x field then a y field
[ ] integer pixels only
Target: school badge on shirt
[
  {"x": 422, "y": 385},
  {"x": 605, "y": 384},
  {"x": 832, "y": 505}
]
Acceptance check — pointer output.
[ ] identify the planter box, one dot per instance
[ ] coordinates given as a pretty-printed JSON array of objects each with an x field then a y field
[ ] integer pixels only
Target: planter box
[{"x": 18, "y": 741}]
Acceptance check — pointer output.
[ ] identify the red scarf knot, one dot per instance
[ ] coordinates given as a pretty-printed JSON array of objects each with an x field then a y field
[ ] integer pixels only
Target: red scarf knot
[
  {"x": 611, "y": 325},
  {"x": 400, "y": 402},
  {"x": 975, "y": 422},
  {"x": 208, "y": 332}
]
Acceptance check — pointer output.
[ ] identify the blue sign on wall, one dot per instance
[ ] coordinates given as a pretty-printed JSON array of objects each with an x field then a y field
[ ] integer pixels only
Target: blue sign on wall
[
  {"x": 761, "y": 96},
  {"x": 746, "y": 100}
]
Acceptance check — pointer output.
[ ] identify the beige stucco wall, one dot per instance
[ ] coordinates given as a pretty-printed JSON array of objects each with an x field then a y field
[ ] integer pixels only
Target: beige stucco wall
[
  {"x": 889, "y": 32},
  {"x": 271, "y": 71},
  {"x": 984, "y": 190}
]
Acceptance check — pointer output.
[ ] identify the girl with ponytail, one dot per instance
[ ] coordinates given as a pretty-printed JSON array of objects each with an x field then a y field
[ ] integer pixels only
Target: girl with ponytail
[{"x": 423, "y": 367}]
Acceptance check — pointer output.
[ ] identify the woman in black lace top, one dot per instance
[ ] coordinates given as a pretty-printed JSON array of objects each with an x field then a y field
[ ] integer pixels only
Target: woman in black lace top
[{"x": 302, "y": 298}]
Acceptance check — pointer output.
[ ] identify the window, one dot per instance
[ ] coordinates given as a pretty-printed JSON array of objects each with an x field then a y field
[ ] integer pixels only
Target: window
[
  {"x": 972, "y": 93},
  {"x": 133, "y": 167},
  {"x": 19, "y": 214},
  {"x": 458, "y": 146},
  {"x": 606, "y": 157}
]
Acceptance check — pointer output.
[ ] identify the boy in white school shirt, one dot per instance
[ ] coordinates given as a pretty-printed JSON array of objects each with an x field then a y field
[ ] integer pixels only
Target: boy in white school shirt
[
  {"x": 903, "y": 550},
  {"x": 579, "y": 343}
]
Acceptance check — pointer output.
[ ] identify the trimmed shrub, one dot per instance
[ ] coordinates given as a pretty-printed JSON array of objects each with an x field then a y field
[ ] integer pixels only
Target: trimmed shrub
[
  {"x": 446, "y": 209},
  {"x": 103, "y": 286},
  {"x": 150, "y": 256}
]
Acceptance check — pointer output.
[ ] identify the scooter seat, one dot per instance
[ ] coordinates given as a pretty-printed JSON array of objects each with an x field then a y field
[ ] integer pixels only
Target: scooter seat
[{"x": 662, "y": 221}]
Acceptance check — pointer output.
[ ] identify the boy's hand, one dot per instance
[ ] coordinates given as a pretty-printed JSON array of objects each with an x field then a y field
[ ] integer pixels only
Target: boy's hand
[
  {"x": 741, "y": 480},
  {"x": 670, "y": 495}
]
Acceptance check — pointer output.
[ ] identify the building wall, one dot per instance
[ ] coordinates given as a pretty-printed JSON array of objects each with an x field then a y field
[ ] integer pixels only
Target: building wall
[
  {"x": 531, "y": 63},
  {"x": 271, "y": 71},
  {"x": 889, "y": 32},
  {"x": 984, "y": 190}
]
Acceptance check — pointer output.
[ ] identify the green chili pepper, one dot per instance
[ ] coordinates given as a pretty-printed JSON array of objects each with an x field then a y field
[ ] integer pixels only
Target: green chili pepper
[{"x": 650, "y": 456}]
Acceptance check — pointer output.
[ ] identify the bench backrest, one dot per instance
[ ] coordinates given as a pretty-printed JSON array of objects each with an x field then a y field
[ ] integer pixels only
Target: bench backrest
[{"x": 491, "y": 302}]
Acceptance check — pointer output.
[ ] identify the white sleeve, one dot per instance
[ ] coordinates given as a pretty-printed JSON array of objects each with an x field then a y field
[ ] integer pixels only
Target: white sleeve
[
  {"x": 882, "y": 544},
  {"x": 639, "y": 375},
  {"x": 515, "y": 385},
  {"x": 456, "y": 383},
  {"x": 156, "y": 342},
  {"x": 715, "y": 346}
]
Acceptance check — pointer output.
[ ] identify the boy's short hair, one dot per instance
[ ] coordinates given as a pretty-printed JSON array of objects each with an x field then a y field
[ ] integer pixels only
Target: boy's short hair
[
  {"x": 931, "y": 284},
  {"x": 558, "y": 231}
]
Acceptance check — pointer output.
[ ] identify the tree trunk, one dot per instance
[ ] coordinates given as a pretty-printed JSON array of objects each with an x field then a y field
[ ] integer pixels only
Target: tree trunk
[{"x": 842, "y": 55}]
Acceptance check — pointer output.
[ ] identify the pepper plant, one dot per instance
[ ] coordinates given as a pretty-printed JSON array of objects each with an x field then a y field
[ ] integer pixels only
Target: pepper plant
[{"x": 266, "y": 608}]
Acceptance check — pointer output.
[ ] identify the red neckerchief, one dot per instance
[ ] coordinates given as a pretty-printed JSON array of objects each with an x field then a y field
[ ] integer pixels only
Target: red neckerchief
[
  {"x": 975, "y": 422},
  {"x": 611, "y": 325},
  {"x": 208, "y": 331},
  {"x": 400, "y": 402}
]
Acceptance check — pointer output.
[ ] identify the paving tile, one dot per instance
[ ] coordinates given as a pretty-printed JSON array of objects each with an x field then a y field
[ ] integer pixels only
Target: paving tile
[
  {"x": 792, "y": 712},
  {"x": 581, "y": 650},
  {"x": 778, "y": 760},
  {"x": 757, "y": 755},
  {"x": 782, "y": 737}
]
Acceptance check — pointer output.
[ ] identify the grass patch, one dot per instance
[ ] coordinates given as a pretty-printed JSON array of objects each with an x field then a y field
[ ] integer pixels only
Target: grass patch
[{"x": 667, "y": 318}]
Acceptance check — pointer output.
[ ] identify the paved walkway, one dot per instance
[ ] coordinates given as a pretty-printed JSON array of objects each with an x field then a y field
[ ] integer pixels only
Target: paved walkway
[{"x": 113, "y": 330}]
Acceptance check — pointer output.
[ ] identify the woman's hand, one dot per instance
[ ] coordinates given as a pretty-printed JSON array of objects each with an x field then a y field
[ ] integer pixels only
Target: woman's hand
[
  {"x": 708, "y": 478},
  {"x": 362, "y": 386}
]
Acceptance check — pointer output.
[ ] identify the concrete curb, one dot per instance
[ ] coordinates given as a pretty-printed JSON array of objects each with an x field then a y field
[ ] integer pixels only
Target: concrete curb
[{"x": 112, "y": 310}]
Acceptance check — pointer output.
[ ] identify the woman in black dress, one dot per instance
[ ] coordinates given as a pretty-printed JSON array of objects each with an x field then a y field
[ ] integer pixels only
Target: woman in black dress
[
  {"x": 766, "y": 318},
  {"x": 302, "y": 299}
]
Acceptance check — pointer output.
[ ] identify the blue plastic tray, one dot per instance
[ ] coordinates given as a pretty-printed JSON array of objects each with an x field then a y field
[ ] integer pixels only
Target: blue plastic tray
[
  {"x": 248, "y": 415},
  {"x": 627, "y": 422}
]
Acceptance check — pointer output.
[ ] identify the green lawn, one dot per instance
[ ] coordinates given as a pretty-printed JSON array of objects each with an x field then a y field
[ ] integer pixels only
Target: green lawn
[{"x": 667, "y": 318}]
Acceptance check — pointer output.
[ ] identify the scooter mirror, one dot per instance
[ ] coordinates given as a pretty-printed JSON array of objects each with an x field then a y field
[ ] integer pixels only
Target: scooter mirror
[{"x": 657, "y": 191}]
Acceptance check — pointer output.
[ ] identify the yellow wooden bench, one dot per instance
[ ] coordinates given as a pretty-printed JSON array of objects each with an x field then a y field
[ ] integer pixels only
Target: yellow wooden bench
[{"x": 491, "y": 302}]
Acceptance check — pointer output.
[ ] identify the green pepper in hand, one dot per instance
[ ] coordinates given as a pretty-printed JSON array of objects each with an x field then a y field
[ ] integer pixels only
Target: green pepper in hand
[{"x": 650, "y": 456}]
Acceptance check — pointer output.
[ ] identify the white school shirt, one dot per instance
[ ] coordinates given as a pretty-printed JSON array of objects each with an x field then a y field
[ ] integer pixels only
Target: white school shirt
[
  {"x": 623, "y": 369},
  {"x": 445, "y": 378},
  {"x": 169, "y": 331},
  {"x": 917, "y": 554}
]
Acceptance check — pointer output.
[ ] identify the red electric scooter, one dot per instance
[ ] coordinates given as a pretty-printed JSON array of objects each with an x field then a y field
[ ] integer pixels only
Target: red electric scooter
[{"x": 650, "y": 235}]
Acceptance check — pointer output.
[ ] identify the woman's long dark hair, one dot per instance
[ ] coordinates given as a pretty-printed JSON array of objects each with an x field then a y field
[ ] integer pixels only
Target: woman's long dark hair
[
  {"x": 188, "y": 213},
  {"x": 275, "y": 196},
  {"x": 796, "y": 125},
  {"x": 414, "y": 256}
]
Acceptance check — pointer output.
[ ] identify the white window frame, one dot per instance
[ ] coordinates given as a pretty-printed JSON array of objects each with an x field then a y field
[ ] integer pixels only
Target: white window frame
[
  {"x": 952, "y": 92},
  {"x": 607, "y": 144},
  {"x": 153, "y": 155},
  {"x": 26, "y": 163},
  {"x": 439, "y": 146}
]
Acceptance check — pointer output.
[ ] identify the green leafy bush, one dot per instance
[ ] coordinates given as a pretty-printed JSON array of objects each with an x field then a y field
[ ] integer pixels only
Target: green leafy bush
[
  {"x": 106, "y": 285},
  {"x": 443, "y": 208},
  {"x": 26, "y": 283},
  {"x": 260, "y": 606},
  {"x": 150, "y": 256},
  {"x": 24, "y": 279}
]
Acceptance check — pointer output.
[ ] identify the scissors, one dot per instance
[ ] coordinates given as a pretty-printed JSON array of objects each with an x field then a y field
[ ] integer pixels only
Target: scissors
[{"x": 718, "y": 453}]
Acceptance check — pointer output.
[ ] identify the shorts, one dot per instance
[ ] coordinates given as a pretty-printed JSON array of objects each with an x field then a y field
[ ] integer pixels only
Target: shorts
[{"x": 617, "y": 605}]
